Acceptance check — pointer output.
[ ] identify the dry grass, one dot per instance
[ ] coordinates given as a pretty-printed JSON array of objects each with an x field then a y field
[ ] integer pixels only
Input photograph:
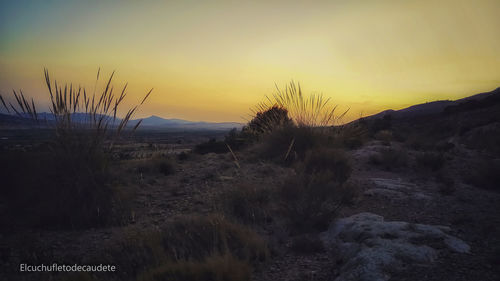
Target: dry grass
[
  {"x": 311, "y": 111},
  {"x": 191, "y": 247},
  {"x": 74, "y": 184},
  {"x": 247, "y": 203},
  {"x": 312, "y": 197}
]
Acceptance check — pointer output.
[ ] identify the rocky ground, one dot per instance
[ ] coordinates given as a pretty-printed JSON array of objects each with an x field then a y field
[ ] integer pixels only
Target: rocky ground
[{"x": 402, "y": 225}]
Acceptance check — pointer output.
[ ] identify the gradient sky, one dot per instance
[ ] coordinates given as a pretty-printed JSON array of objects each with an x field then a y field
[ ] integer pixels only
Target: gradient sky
[{"x": 213, "y": 60}]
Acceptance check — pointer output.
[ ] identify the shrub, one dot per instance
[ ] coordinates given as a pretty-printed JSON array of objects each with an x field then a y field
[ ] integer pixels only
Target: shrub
[
  {"x": 352, "y": 135},
  {"x": 189, "y": 246},
  {"x": 73, "y": 185},
  {"x": 290, "y": 143},
  {"x": 390, "y": 159},
  {"x": 304, "y": 123},
  {"x": 430, "y": 161},
  {"x": 212, "y": 234},
  {"x": 327, "y": 159},
  {"x": 311, "y": 111},
  {"x": 247, "y": 202},
  {"x": 267, "y": 119},
  {"x": 311, "y": 201},
  {"x": 312, "y": 197}
]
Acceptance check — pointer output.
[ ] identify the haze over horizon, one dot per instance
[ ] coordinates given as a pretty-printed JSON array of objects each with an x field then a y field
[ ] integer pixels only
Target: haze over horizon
[{"x": 214, "y": 61}]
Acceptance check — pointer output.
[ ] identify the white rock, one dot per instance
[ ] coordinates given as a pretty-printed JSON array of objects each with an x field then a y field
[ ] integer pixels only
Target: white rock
[{"x": 369, "y": 244}]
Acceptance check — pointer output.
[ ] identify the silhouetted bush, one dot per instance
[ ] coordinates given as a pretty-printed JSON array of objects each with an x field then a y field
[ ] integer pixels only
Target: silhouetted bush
[
  {"x": 303, "y": 123},
  {"x": 290, "y": 143},
  {"x": 72, "y": 183},
  {"x": 267, "y": 120},
  {"x": 304, "y": 111}
]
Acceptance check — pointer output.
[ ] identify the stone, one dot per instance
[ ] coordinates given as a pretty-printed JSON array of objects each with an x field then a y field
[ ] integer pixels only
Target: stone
[{"x": 369, "y": 244}]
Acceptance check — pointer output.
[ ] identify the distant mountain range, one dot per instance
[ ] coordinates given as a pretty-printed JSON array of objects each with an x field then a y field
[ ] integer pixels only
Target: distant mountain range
[
  {"x": 159, "y": 123},
  {"x": 150, "y": 123},
  {"x": 155, "y": 122}
]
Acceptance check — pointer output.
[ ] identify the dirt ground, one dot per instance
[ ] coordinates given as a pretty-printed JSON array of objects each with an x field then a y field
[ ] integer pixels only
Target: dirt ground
[{"x": 472, "y": 213}]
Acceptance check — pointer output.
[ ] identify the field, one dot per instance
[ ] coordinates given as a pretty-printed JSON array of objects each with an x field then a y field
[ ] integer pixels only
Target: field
[{"x": 370, "y": 200}]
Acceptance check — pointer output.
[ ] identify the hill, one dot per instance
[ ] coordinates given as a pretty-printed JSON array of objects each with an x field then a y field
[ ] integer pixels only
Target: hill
[{"x": 435, "y": 107}]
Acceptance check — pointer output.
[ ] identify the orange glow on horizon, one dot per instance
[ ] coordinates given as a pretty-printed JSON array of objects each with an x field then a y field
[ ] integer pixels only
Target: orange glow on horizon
[{"x": 214, "y": 61}]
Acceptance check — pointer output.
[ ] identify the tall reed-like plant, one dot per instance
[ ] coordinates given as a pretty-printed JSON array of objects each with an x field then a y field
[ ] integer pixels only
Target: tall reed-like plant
[
  {"x": 75, "y": 182},
  {"x": 313, "y": 110},
  {"x": 74, "y": 109},
  {"x": 289, "y": 123}
]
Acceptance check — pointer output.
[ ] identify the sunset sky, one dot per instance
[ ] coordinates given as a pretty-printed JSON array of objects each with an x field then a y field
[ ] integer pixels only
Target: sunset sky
[{"x": 213, "y": 60}]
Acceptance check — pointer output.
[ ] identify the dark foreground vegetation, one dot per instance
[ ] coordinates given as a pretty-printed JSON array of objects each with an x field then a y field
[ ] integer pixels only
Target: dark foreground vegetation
[{"x": 255, "y": 204}]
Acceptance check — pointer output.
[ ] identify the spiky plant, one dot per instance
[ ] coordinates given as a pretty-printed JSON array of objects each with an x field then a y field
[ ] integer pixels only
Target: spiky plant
[
  {"x": 76, "y": 188},
  {"x": 99, "y": 110},
  {"x": 313, "y": 110}
]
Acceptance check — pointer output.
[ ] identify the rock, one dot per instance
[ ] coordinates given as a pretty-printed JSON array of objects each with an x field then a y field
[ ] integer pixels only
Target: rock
[
  {"x": 395, "y": 189},
  {"x": 393, "y": 184},
  {"x": 457, "y": 245},
  {"x": 390, "y": 194},
  {"x": 369, "y": 245}
]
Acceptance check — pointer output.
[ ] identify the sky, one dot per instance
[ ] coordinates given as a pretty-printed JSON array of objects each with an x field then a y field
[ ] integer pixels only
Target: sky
[{"x": 214, "y": 60}]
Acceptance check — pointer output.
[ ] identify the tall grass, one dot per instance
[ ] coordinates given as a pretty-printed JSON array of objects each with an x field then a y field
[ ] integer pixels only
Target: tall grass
[
  {"x": 288, "y": 123},
  {"x": 313, "y": 110},
  {"x": 99, "y": 110},
  {"x": 74, "y": 184},
  {"x": 191, "y": 247}
]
